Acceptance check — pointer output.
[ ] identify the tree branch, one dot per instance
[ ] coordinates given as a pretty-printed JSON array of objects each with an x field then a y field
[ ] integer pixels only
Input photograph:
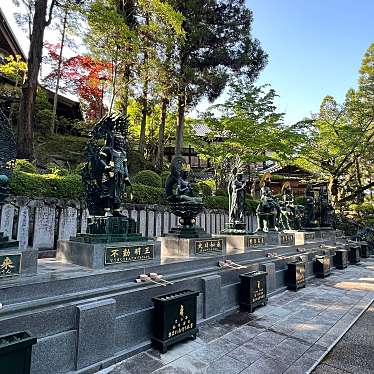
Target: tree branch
[{"x": 49, "y": 20}]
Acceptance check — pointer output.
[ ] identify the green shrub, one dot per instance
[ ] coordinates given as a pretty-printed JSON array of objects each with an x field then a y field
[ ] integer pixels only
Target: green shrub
[
  {"x": 25, "y": 166},
  {"x": 221, "y": 192},
  {"x": 143, "y": 194},
  {"x": 148, "y": 178},
  {"x": 216, "y": 202},
  {"x": 46, "y": 185},
  {"x": 300, "y": 200},
  {"x": 136, "y": 162},
  {"x": 164, "y": 177},
  {"x": 206, "y": 190},
  {"x": 57, "y": 170}
]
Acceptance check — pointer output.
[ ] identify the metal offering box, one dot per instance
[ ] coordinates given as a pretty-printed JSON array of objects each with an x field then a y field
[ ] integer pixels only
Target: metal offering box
[{"x": 175, "y": 317}]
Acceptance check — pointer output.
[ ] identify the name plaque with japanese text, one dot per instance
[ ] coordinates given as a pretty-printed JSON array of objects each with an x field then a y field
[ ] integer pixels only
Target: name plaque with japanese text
[
  {"x": 119, "y": 255},
  {"x": 255, "y": 241},
  {"x": 287, "y": 238},
  {"x": 208, "y": 246},
  {"x": 10, "y": 264}
]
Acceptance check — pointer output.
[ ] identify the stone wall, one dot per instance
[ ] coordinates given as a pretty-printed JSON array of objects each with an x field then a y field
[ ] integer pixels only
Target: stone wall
[{"x": 40, "y": 223}]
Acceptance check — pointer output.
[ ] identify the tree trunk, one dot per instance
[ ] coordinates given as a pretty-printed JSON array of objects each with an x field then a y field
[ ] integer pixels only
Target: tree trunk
[
  {"x": 29, "y": 88},
  {"x": 144, "y": 108},
  {"x": 180, "y": 125},
  {"x": 55, "y": 99},
  {"x": 161, "y": 136},
  {"x": 125, "y": 95}
]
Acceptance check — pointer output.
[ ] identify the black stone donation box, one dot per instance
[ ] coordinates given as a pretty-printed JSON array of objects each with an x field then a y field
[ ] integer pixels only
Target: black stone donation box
[
  {"x": 252, "y": 290},
  {"x": 295, "y": 276},
  {"x": 15, "y": 352},
  {"x": 364, "y": 250},
  {"x": 321, "y": 266},
  {"x": 354, "y": 254},
  {"x": 175, "y": 317},
  {"x": 341, "y": 259}
]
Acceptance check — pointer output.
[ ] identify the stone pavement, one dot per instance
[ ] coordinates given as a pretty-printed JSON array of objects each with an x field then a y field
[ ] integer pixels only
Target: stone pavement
[
  {"x": 289, "y": 335},
  {"x": 354, "y": 352}
]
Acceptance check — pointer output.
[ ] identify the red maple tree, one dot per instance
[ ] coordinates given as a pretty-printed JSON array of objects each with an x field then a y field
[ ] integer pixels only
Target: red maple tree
[{"x": 82, "y": 76}]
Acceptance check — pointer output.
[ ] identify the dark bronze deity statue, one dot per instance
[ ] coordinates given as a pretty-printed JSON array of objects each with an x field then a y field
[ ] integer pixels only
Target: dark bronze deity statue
[
  {"x": 106, "y": 179},
  {"x": 324, "y": 209},
  {"x": 236, "y": 190},
  {"x": 105, "y": 173},
  {"x": 268, "y": 209},
  {"x": 182, "y": 201},
  {"x": 309, "y": 217}
]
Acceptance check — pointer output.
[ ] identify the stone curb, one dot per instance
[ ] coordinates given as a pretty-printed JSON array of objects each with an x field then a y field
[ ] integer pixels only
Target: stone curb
[{"x": 366, "y": 307}]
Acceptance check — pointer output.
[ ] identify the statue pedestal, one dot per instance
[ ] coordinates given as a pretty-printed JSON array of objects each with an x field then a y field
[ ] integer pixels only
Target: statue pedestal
[
  {"x": 241, "y": 243},
  {"x": 14, "y": 261},
  {"x": 106, "y": 255},
  {"x": 301, "y": 237},
  {"x": 192, "y": 247},
  {"x": 280, "y": 238}
]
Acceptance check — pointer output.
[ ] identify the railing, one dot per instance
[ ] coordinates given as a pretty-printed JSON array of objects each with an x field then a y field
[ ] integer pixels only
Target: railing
[{"x": 40, "y": 223}]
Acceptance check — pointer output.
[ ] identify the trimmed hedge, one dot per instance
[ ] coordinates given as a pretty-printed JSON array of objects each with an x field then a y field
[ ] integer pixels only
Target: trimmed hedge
[
  {"x": 143, "y": 194},
  {"x": 25, "y": 165},
  {"x": 71, "y": 187},
  {"x": 46, "y": 185},
  {"x": 147, "y": 178}
]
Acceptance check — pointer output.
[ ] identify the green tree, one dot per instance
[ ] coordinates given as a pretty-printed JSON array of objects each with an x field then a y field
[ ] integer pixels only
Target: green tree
[
  {"x": 246, "y": 124},
  {"x": 218, "y": 43},
  {"x": 340, "y": 141}
]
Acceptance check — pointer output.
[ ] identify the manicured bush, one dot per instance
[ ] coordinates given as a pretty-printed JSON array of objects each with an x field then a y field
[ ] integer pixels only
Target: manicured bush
[
  {"x": 136, "y": 162},
  {"x": 164, "y": 177},
  {"x": 216, "y": 202},
  {"x": 147, "y": 178},
  {"x": 205, "y": 189},
  {"x": 46, "y": 185},
  {"x": 24, "y": 165},
  {"x": 300, "y": 200},
  {"x": 57, "y": 170},
  {"x": 221, "y": 192},
  {"x": 143, "y": 194}
]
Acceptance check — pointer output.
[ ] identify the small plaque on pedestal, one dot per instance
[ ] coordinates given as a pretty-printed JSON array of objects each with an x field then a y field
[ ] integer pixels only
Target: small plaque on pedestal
[
  {"x": 10, "y": 264},
  {"x": 130, "y": 253},
  {"x": 192, "y": 247}
]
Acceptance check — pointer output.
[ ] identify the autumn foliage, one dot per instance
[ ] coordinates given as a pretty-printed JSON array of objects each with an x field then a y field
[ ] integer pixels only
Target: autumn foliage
[{"x": 81, "y": 76}]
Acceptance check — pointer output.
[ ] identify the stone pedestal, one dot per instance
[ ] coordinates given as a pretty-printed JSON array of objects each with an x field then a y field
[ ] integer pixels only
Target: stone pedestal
[
  {"x": 301, "y": 237},
  {"x": 280, "y": 238},
  {"x": 106, "y": 255},
  {"x": 241, "y": 243},
  {"x": 192, "y": 247},
  {"x": 15, "y": 261}
]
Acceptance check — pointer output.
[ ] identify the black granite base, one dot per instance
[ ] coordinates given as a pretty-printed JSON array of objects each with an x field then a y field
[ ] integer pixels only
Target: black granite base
[{"x": 189, "y": 232}]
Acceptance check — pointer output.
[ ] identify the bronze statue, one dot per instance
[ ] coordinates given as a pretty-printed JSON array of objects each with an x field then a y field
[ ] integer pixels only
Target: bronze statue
[
  {"x": 309, "y": 218},
  {"x": 268, "y": 209},
  {"x": 182, "y": 201},
  {"x": 105, "y": 173}
]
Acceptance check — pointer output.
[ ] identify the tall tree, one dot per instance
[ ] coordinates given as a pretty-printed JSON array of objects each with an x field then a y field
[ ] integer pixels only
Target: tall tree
[
  {"x": 218, "y": 44},
  {"x": 42, "y": 18}
]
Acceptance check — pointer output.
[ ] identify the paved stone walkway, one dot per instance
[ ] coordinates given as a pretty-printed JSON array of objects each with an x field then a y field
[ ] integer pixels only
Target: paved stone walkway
[
  {"x": 354, "y": 352},
  {"x": 289, "y": 335}
]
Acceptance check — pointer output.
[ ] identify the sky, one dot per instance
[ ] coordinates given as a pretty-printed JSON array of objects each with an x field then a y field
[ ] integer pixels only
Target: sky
[{"x": 315, "y": 48}]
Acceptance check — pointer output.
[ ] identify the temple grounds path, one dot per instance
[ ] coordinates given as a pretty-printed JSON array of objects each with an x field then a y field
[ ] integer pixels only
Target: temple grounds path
[{"x": 289, "y": 335}]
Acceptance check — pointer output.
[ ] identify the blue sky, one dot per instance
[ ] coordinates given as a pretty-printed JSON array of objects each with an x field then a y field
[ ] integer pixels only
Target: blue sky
[{"x": 315, "y": 48}]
